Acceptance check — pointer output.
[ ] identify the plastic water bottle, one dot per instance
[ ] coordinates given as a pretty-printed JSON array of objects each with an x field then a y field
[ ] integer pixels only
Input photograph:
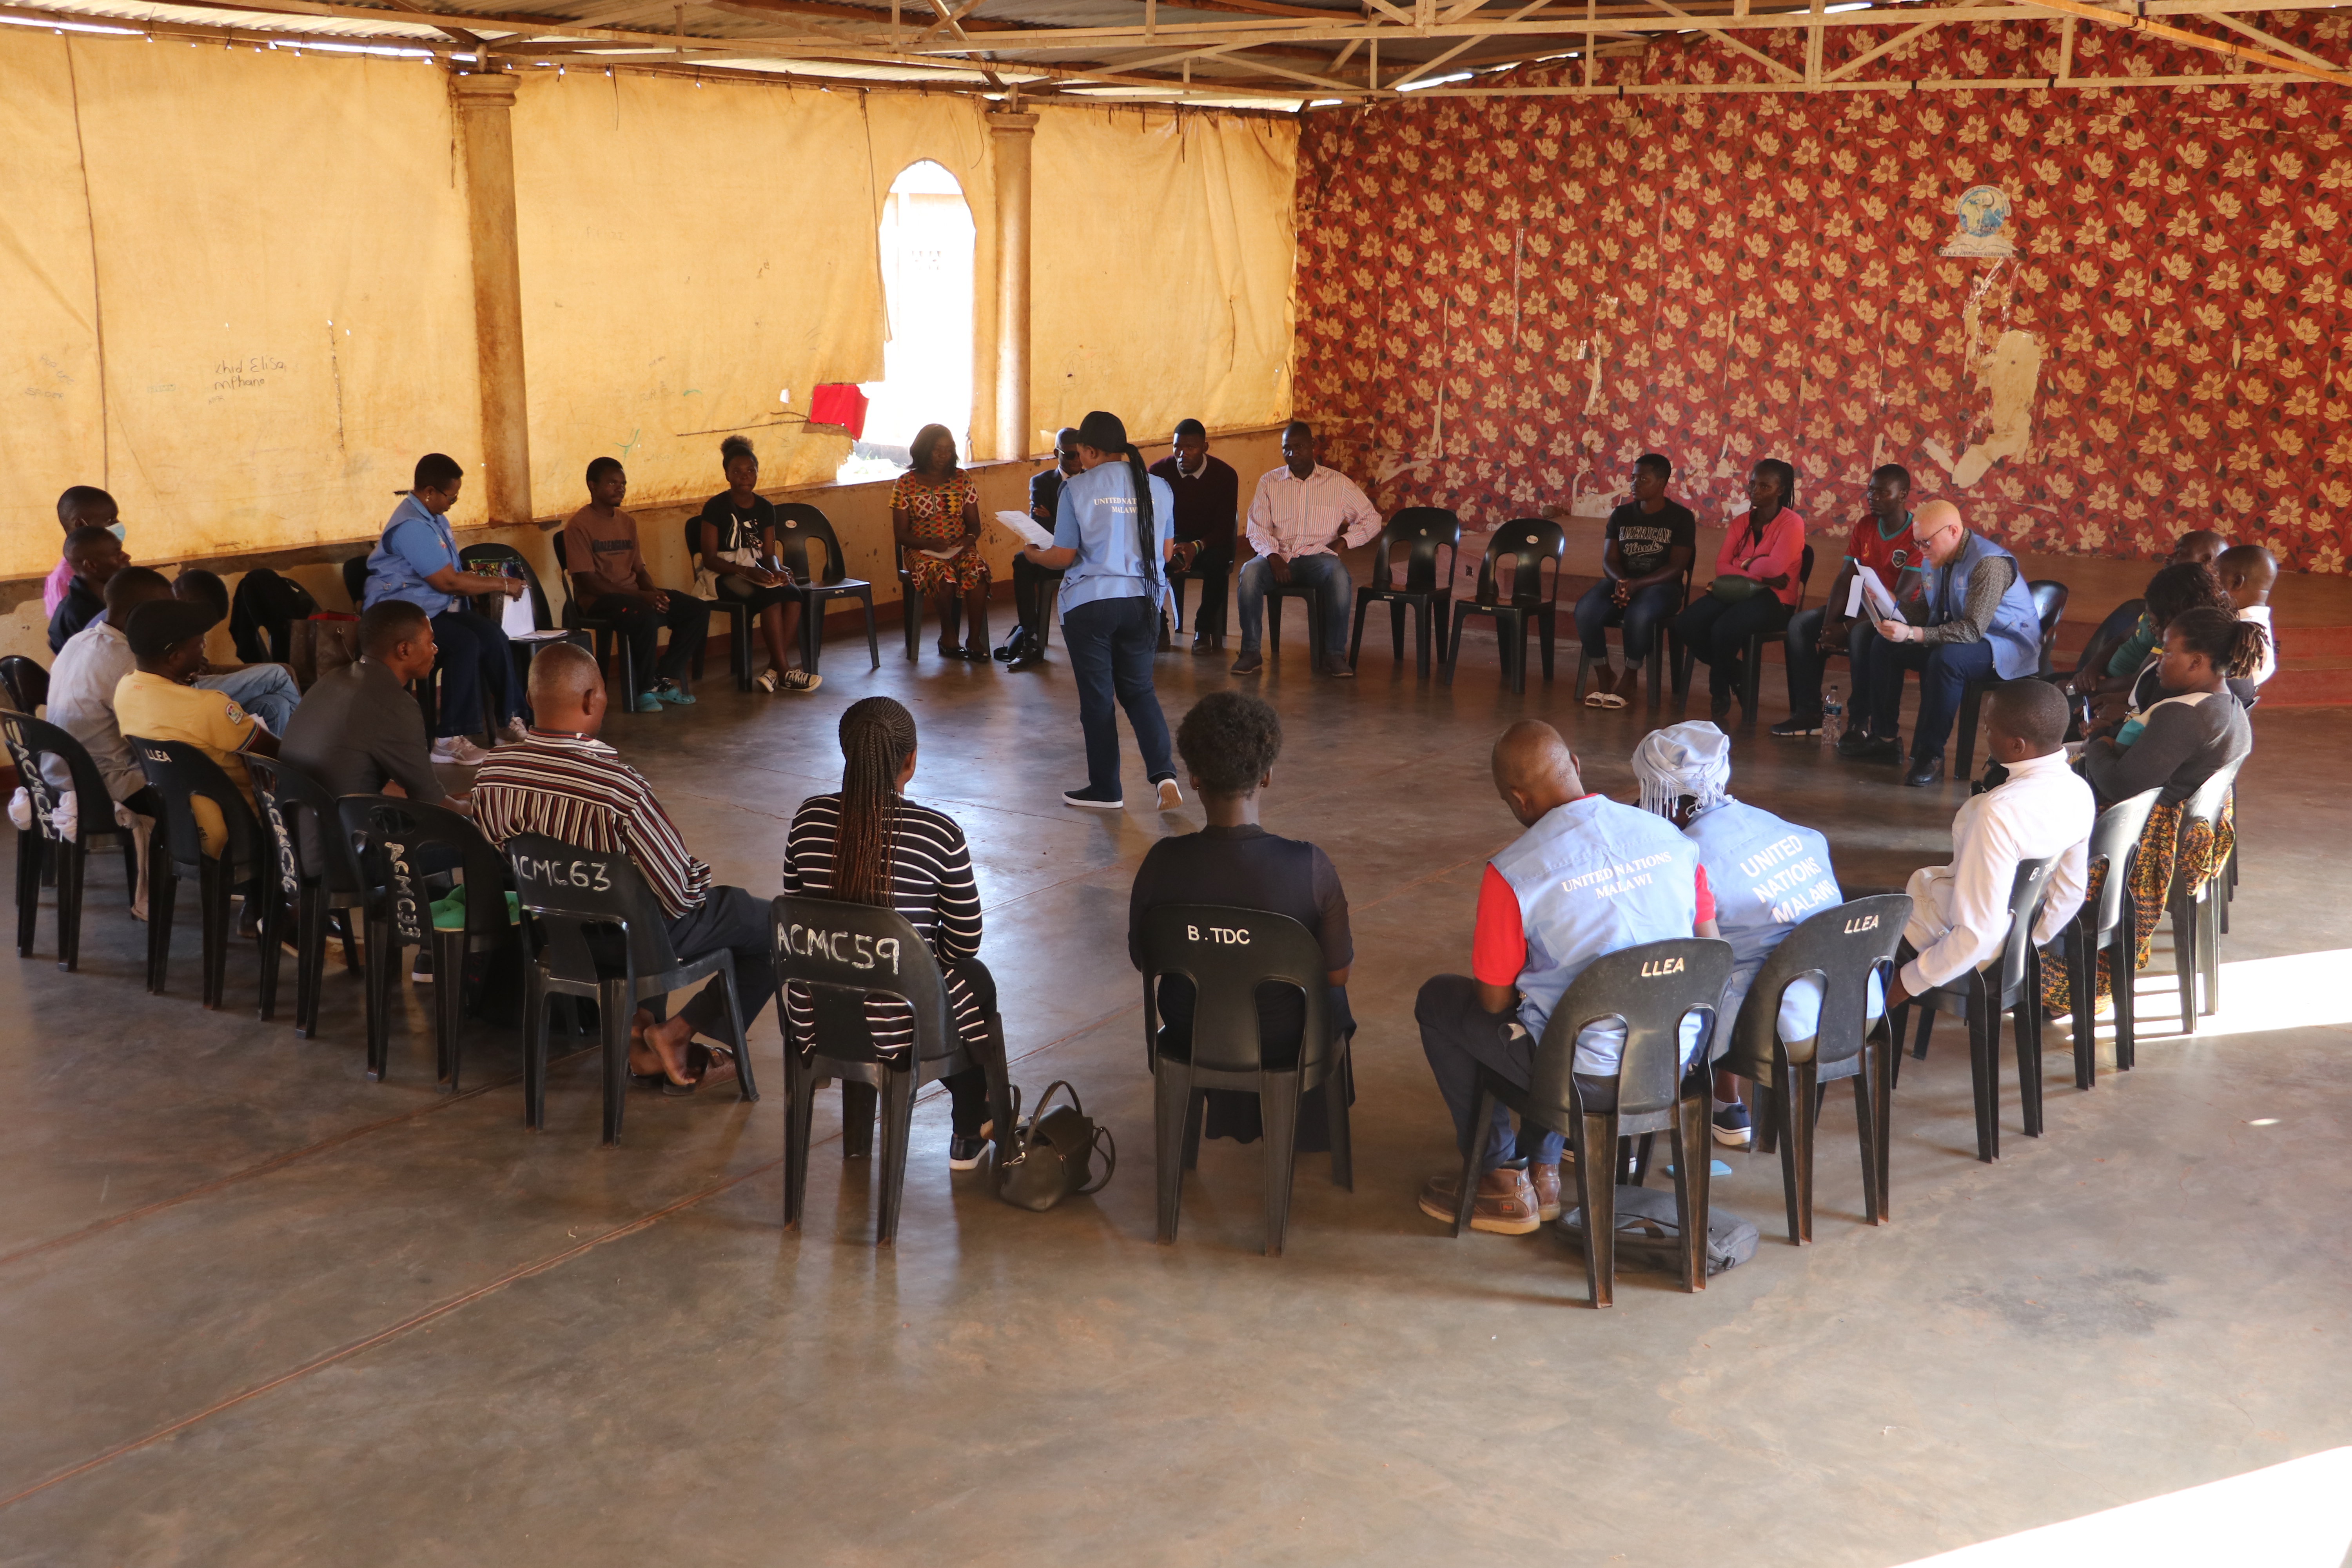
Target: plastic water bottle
[{"x": 1832, "y": 716}]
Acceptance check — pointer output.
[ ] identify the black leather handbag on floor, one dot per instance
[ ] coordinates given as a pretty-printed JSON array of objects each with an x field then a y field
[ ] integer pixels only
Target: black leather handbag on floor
[{"x": 1051, "y": 1156}]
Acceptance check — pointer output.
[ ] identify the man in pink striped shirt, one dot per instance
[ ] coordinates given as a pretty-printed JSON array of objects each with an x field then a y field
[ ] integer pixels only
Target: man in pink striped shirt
[{"x": 1300, "y": 518}]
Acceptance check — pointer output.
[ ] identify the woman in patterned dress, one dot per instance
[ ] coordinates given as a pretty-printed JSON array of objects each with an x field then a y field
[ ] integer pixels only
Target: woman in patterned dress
[{"x": 934, "y": 511}]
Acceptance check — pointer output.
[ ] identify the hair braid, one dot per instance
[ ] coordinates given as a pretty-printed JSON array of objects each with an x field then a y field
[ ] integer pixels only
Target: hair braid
[{"x": 878, "y": 736}]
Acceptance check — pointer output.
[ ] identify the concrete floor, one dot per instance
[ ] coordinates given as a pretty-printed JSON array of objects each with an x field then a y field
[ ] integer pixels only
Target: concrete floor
[{"x": 255, "y": 1310}]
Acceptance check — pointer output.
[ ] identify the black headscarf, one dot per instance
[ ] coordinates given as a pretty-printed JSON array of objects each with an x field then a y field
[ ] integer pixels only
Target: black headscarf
[{"x": 1106, "y": 433}]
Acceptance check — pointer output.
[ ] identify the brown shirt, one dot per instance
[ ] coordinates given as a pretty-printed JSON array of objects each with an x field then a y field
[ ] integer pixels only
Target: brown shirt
[{"x": 602, "y": 552}]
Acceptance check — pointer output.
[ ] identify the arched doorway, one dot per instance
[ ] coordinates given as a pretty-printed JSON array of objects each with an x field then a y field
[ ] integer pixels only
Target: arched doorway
[{"x": 927, "y": 248}]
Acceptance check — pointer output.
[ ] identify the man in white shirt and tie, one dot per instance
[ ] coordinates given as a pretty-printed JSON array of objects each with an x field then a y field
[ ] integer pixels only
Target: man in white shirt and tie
[
  {"x": 1959, "y": 912},
  {"x": 1300, "y": 518}
]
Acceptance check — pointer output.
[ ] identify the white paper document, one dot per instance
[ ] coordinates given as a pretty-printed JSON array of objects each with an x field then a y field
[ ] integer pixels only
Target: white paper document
[
  {"x": 517, "y": 617},
  {"x": 1024, "y": 529},
  {"x": 1870, "y": 594}
]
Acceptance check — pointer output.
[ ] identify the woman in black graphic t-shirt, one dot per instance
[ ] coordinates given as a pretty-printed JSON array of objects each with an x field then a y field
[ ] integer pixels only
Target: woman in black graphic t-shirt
[
  {"x": 1650, "y": 544},
  {"x": 735, "y": 550}
]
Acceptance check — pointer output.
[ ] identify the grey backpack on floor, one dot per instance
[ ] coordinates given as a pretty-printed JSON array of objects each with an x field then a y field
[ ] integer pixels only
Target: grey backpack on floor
[{"x": 1647, "y": 1234}]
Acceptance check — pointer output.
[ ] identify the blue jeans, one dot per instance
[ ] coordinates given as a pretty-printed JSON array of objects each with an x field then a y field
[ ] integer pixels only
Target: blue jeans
[
  {"x": 265, "y": 691},
  {"x": 1597, "y": 612},
  {"x": 1327, "y": 574},
  {"x": 1944, "y": 669},
  {"x": 1111, "y": 644}
]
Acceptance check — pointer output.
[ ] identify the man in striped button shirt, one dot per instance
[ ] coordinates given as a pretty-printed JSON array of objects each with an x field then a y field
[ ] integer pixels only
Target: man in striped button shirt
[
  {"x": 564, "y": 782},
  {"x": 1300, "y": 518}
]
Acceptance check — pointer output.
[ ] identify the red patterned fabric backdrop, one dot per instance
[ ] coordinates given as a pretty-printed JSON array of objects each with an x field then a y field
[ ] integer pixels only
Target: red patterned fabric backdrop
[{"x": 1501, "y": 302}]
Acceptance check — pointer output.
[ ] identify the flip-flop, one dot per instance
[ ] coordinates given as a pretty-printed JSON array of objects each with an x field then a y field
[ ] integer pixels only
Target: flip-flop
[{"x": 1603, "y": 700}]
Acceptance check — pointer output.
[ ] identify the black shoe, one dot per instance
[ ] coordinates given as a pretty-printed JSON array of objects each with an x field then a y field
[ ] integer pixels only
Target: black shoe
[
  {"x": 1086, "y": 799},
  {"x": 1797, "y": 728},
  {"x": 1923, "y": 771},
  {"x": 963, "y": 1153},
  {"x": 1732, "y": 1129},
  {"x": 1871, "y": 748}
]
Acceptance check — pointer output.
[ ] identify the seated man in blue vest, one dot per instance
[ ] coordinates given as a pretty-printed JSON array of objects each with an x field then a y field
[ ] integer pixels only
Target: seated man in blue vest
[
  {"x": 1768, "y": 876},
  {"x": 1975, "y": 621},
  {"x": 1549, "y": 905}
]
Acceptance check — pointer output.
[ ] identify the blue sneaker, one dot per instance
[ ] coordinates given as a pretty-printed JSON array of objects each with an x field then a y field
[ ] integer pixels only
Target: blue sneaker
[
  {"x": 647, "y": 702},
  {"x": 668, "y": 691},
  {"x": 1732, "y": 1129}
]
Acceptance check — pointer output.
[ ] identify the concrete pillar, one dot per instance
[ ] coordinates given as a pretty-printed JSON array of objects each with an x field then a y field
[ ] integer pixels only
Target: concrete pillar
[
  {"x": 486, "y": 131},
  {"x": 1010, "y": 134}
]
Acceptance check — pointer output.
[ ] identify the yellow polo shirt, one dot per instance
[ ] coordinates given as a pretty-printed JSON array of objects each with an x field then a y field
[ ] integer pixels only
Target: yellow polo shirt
[{"x": 160, "y": 710}]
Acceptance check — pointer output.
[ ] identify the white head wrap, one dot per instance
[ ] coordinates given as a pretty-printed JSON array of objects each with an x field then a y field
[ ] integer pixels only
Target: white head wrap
[{"x": 1692, "y": 759}]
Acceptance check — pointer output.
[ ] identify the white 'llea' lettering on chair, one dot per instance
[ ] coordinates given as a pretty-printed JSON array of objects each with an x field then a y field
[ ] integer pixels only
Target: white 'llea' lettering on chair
[
  {"x": 1658, "y": 968},
  {"x": 1869, "y": 923}
]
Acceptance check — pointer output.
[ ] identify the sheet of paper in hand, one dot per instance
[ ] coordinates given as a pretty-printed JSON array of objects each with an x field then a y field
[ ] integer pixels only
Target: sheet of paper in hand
[
  {"x": 1869, "y": 593},
  {"x": 1023, "y": 528}
]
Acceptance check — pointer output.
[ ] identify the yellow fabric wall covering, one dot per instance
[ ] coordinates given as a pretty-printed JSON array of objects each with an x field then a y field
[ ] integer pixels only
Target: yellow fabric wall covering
[{"x": 241, "y": 203}]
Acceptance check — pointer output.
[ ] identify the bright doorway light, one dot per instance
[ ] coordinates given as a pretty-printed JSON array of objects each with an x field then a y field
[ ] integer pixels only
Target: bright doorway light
[{"x": 926, "y": 249}]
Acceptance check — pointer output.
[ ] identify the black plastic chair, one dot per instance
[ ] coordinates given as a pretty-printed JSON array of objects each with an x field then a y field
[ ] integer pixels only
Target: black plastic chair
[
  {"x": 1529, "y": 542},
  {"x": 1842, "y": 948},
  {"x": 1428, "y": 592},
  {"x": 2196, "y": 916},
  {"x": 2050, "y": 604},
  {"x": 798, "y": 527},
  {"x": 400, "y": 845},
  {"x": 1651, "y": 988},
  {"x": 591, "y": 927},
  {"x": 1658, "y": 659},
  {"x": 1227, "y": 955},
  {"x": 25, "y": 683},
  {"x": 844, "y": 952},
  {"x": 29, "y": 740},
  {"x": 182, "y": 775},
  {"x": 1275, "y": 593},
  {"x": 2108, "y": 923},
  {"x": 309, "y": 885},
  {"x": 1751, "y": 678},
  {"x": 2011, "y": 983},
  {"x": 355, "y": 576},
  {"x": 910, "y": 608},
  {"x": 737, "y": 612}
]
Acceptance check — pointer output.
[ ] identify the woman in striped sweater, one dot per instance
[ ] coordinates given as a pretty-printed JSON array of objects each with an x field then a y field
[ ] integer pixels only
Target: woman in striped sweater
[{"x": 869, "y": 843}]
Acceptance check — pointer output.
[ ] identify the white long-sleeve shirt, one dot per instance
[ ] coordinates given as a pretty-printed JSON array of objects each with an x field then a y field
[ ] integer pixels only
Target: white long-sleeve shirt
[
  {"x": 1291, "y": 517},
  {"x": 2042, "y": 809}
]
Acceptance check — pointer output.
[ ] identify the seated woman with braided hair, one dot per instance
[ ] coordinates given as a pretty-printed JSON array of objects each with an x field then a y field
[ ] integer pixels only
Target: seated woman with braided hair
[
  {"x": 869, "y": 843},
  {"x": 2176, "y": 743}
]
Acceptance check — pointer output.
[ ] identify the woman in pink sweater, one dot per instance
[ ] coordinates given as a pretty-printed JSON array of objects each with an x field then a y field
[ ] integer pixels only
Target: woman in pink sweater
[{"x": 1755, "y": 588}]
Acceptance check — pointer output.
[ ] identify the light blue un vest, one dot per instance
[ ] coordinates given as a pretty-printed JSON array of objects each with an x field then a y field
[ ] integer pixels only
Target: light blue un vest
[
  {"x": 1592, "y": 877},
  {"x": 2016, "y": 634},
  {"x": 1767, "y": 876}
]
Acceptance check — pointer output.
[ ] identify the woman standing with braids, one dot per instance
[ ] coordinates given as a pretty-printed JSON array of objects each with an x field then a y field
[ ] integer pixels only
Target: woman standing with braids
[
  {"x": 870, "y": 844},
  {"x": 1112, "y": 534}
]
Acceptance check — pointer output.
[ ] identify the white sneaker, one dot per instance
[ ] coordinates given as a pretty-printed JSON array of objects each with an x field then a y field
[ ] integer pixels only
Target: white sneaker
[
  {"x": 459, "y": 751},
  {"x": 514, "y": 733},
  {"x": 1171, "y": 798}
]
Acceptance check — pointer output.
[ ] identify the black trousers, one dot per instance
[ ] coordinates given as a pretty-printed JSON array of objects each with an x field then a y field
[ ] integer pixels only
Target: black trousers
[
  {"x": 731, "y": 918},
  {"x": 1459, "y": 1036},
  {"x": 1215, "y": 564},
  {"x": 1809, "y": 666},
  {"x": 1718, "y": 630},
  {"x": 687, "y": 618},
  {"x": 1033, "y": 596}
]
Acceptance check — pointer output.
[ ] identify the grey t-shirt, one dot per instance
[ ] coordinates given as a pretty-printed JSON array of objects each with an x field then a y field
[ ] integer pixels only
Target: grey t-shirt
[{"x": 355, "y": 730}]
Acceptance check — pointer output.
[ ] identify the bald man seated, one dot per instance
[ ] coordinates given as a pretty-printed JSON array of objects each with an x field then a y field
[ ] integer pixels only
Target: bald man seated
[
  {"x": 1547, "y": 907},
  {"x": 1975, "y": 620},
  {"x": 563, "y": 782}
]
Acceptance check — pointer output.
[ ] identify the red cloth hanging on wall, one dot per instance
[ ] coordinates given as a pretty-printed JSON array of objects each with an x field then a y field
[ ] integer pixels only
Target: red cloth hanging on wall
[{"x": 839, "y": 403}]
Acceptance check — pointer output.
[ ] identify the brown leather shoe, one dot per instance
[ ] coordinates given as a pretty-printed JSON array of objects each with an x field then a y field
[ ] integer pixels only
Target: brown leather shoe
[
  {"x": 1545, "y": 1179},
  {"x": 1506, "y": 1203}
]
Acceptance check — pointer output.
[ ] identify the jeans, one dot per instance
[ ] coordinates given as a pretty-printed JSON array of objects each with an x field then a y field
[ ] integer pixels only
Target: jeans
[
  {"x": 1459, "y": 1036},
  {"x": 478, "y": 689},
  {"x": 1597, "y": 612},
  {"x": 1111, "y": 642},
  {"x": 1718, "y": 630},
  {"x": 1326, "y": 574},
  {"x": 265, "y": 691},
  {"x": 1944, "y": 669},
  {"x": 732, "y": 919},
  {"x": 687, "y": 618},
  {"x": 1807, "y": 664}
]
